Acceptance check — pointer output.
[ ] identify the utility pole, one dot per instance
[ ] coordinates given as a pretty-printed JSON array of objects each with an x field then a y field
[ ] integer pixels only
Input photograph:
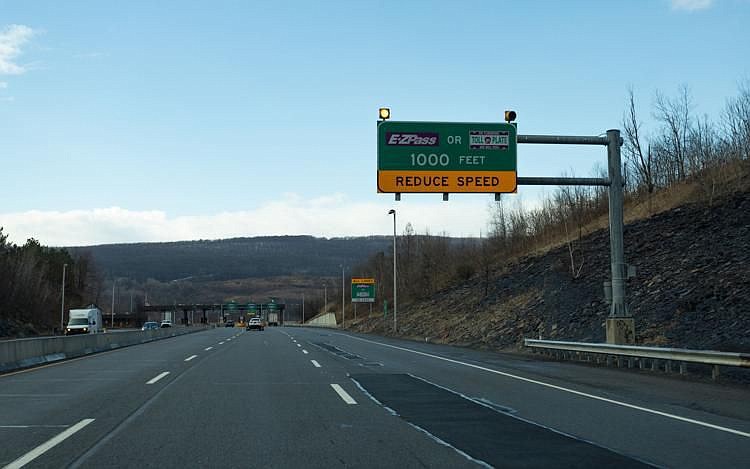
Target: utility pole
[
  {"x": 343, "y": 304},
  {"x": 303, "y": 309},
  {"x": 62, "y": 303},
  {"x": 325, "y": 298}
]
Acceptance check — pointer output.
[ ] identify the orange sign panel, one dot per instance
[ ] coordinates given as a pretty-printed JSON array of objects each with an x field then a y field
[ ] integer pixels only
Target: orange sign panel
[
  {"x": 446, "y": 181},
  {"x": 365, "y": 281}
]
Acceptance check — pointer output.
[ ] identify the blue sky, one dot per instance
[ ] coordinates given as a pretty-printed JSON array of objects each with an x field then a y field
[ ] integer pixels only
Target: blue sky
[{"x": 145, "y": 121}]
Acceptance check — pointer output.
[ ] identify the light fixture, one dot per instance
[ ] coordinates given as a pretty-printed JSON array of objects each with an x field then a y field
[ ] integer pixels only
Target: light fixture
[
  {"x": 384, "y": 113},
  {"x": 510, "y": 116}
]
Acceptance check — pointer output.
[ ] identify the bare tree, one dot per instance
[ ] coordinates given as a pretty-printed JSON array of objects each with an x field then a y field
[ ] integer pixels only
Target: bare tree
[
  {"x": 675, "y": 116},
  {"x": 736, "y": 123},
  {"x": 641, "y": 160}
]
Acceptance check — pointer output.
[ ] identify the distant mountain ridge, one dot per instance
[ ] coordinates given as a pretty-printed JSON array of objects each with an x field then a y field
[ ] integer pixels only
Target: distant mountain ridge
[{"x": 224, "y": 259}]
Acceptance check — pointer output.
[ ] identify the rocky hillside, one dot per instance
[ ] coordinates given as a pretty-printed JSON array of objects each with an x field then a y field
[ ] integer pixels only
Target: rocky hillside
[{"x": 692, "y": 288}]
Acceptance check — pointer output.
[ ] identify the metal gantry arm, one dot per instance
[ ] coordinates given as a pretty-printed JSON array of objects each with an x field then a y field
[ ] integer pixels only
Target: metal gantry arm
[
  {"x": 564, "y": 139},
  {"x": 560, "y": 181}
]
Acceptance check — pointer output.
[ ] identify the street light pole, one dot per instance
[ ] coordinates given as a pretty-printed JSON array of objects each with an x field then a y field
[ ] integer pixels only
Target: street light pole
[
  {"x": 303, "y": 309},
  {"x": 62, "y": 303},
  {"x": 343, "y": 304},
  {"x": 112, "y": 318},
  {"x": 325, "y": 298},
  {"x": 395, "y": 323}
]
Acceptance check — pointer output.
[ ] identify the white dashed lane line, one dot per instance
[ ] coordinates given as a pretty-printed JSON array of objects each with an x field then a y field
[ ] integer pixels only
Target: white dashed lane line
[
  {"x": 315, "y": 363},
  {"x": 343, "y": 394},
  {"x": 221, "y": 343},
  {"x": 157, "y": 377},
  {"x": 305, "y": 351},
  {"x": 207, "y": 349},
  {"x": 190, "y": 358}
]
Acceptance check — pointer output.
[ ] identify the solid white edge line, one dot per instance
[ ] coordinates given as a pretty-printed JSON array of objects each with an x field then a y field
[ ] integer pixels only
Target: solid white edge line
[
  {"x": 315, "y": 363},
  {"x": 191, "y": 357},
  {"x": 343, "y": 394},
  {"x": 157, "y": 377},
  {"x": 207, "y": 349},
  {"x": 47, "y": 445},
  {"x": 560, "y": 388},
  {"x": 305, "y": 351}
]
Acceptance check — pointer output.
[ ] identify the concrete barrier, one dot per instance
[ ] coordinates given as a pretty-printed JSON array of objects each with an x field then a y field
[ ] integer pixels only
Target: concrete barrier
[
  {"x": 323, "y": 320},
  {"x": 24, "y": 353}
]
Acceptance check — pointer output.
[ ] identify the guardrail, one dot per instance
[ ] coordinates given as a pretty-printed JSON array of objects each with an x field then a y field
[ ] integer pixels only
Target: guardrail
[
  {"x": 639, "y": 354},
  {"x": 24, "y": 353}
]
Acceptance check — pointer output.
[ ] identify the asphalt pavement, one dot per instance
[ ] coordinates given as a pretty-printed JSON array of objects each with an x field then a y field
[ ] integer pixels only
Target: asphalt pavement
[{"x": 309, "y": 397}]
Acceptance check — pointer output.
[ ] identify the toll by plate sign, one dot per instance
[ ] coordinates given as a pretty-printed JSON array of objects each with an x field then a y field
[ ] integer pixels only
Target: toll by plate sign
[
  {"x": 363, "y": 290},
  {"x": 446, "y": 157}
]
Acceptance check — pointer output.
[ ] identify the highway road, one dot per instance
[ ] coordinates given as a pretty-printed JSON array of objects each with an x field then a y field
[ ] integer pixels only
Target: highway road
[{"x": 304, "y": 397}]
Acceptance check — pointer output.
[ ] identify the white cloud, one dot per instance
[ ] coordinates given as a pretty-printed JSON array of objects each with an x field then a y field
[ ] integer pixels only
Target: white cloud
[
  {"x": 330, "y": 216},
  {"x": 11, "y": 39},
  {"x": 691, "y": 5}
]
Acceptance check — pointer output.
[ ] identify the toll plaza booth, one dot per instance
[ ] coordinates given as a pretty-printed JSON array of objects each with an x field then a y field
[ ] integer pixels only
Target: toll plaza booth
[{"x": 272, "y": 313}]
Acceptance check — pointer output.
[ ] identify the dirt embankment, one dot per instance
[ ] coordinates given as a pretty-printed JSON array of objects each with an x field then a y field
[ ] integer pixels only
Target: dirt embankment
[{"x": 692, "y": 288}]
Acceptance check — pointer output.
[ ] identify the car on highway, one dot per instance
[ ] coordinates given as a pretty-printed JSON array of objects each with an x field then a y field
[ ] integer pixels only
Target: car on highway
[
  {"x": 229, "y": 324},
  {"x": 255, "y": 324},
  {"x": 149, "y": 325},
  {"x": 166, "y": 323}
]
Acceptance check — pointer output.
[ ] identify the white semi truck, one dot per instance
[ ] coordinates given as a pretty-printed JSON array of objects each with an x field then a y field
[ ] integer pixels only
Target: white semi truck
[{"x": 85, "y": 321}]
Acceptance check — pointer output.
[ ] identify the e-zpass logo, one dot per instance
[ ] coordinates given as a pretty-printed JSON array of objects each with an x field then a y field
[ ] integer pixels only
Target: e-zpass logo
[{"x": 414, "y": 139}]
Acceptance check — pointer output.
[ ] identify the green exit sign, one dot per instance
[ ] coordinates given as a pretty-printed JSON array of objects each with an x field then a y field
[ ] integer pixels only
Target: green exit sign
[{"x": 363, "y": 290}]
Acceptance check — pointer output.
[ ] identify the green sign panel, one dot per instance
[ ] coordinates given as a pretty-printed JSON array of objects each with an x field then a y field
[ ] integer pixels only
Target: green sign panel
[
  {"x": 446, "y": 157},
  {"x": 363, "y": 290}
]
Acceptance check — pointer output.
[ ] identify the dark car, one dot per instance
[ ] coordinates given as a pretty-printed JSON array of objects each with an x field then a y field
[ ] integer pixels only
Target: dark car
[
  {"x": 229, "y": 324},
  {"x": 148, "y": 325}
]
